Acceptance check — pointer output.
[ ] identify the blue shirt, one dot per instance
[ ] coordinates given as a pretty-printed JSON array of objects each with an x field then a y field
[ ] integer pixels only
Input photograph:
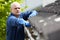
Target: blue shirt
[{"x": 15, "y": 28}]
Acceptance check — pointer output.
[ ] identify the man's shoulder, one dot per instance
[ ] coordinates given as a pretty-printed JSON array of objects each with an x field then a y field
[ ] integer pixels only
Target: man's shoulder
[{"x": 11, "y": 17}]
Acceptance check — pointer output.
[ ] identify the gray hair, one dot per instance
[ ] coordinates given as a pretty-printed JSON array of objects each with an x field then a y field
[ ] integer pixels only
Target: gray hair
[{"x": 14, "y": 3}]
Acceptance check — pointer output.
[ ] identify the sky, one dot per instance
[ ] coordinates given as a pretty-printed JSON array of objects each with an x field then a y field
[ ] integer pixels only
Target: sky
[
  {"x": 46, "y": 2},
  {"x": 35, "y": 3}
]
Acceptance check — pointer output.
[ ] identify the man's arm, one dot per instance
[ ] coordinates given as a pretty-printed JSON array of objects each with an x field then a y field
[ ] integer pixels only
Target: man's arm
[
  {"x": 29, "y": 14},
  {"x": 18, "y": 22},
  {"x": 34, "y": 13}
]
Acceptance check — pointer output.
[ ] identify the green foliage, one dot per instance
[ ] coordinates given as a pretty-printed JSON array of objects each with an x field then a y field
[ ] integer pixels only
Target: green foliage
[{"x": 4, "y": 12}]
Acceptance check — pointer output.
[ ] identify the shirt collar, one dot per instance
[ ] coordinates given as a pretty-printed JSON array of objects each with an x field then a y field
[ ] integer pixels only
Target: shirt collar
[{"x": 12, "y": 14}]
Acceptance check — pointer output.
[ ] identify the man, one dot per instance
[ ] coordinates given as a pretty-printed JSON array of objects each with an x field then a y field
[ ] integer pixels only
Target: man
[{"x": 15, "y": 22}]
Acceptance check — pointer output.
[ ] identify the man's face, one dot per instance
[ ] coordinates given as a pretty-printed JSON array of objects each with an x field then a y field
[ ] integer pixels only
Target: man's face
[{"x": 15, "y": 9}]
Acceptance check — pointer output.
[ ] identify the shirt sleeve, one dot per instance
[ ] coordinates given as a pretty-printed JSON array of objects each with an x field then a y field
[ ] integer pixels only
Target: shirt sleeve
[
  {"x": 22, "y": 21},
  {"x": 26, "y": 15},
  {"x": 29, "y": 14},
  {"x": 18, "y": 22}
]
